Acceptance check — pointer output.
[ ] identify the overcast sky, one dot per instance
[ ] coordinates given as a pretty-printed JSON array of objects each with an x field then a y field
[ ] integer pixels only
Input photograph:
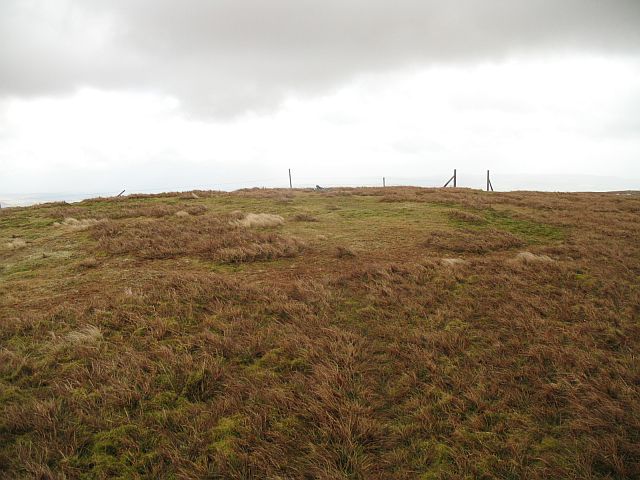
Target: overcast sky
[{"x": 101, "y": 95}]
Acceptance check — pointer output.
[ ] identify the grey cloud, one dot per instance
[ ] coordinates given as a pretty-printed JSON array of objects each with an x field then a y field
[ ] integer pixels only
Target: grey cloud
[{"x": 227, "y": 56}]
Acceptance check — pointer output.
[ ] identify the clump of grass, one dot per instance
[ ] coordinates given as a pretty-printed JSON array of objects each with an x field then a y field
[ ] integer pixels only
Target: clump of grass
[
  {"x": 529, "y": 258},
  {"x": 344, "y": 252},
  {"x": 75, "y": 224},
  {"x": 88, "y": 262},
  {"x": 86, "y": 335},
  {"x": 196, "y": 210},
  {"x": 285, "y": 200},
  {"x": 15, "y": 244},
  {"x": 451, "y": 262},
  {"x": 280, "y": 247},
  {"x": 118, "y": 452},
  {"x": 304, "y": 217},
  {"x": 236, "y": 214},
  {"x": 466, "y": 217},
  {"x": 252, "y": 220},
  {"x": 153, "y": 211},
  {"x": 473, "y": 241},
  {"x": 210, "y": 237}
]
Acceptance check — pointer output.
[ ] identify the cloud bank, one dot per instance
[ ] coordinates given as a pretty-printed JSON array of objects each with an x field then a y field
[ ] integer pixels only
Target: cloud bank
[{"x": 226, "y": 57}]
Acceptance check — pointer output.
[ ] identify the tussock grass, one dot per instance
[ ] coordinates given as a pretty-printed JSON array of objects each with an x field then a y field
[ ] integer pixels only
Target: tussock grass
[
  {"x": 473, "y": 241},
  {"x": 209, "y": 237},
  {"x": 15, "y": 244},
  {"x": 259, "y": 220},
  {"x": 466, "y": 217},
  {"x": 451, "y": 262},
  {"x": 86, "y": 335},
  {"x": 304, "y": 217},
  {"x": 278, "y": 247},
  {"x": 121, "y": 209},
  {"x": 89, "y": 262},
  {"x": 529, "y": 258},
  {"x": 344, "y": 252},
  {"x": 75, "y": 224},
  {"x": 181, "y": 354}
]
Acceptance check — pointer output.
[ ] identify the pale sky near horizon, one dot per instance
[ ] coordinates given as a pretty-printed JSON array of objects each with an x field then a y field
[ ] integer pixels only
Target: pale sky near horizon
[{"x": 98, "y": 95}]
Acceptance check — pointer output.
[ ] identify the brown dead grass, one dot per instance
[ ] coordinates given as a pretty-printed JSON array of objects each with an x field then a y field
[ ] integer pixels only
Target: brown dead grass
[
  {"x": 89, "y": 262},
  {"x": 209, "y": 237},
  {"x": 466, "y": 217},
  {"x": 473, "y": 241},
  {"x": 452, "y": 262},
  {"x": 164, "y": 360},
  {"x": 15, "y": 244},
  {"x": 529, "y": 258},
  {"x": 304, "y": 217},
  {"x": 72, "y": 215},
  {"x": 344, "y": 252},
  {"x": 74, "y": 224},
  {"x": 85, "y": 335}
]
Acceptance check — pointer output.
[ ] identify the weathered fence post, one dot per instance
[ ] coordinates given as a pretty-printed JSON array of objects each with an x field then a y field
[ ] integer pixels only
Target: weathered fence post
[
  {"x": 454, "y": 179},
  {"x": 489, "y": 185}
]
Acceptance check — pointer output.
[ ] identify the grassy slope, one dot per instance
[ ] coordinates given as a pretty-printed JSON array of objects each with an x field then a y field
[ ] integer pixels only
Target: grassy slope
[{"x": 156, "y": 346}]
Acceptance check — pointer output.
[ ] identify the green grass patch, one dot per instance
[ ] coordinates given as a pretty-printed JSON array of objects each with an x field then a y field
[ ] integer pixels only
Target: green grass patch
[{"x": 528, "y": 230}]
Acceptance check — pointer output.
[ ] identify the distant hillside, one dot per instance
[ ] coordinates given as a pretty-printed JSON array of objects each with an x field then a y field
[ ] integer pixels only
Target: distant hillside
[{"x": 351, "y": 333}]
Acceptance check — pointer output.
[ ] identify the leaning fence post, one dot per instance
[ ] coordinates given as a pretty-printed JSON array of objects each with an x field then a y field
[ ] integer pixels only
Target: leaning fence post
[{"x": 454, "y": 179}]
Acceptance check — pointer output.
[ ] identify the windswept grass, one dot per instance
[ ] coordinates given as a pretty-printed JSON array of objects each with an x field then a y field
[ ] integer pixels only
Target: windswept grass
[
  {"x": 75, "y": 224},
  {"x": 253, "y": 220},
  {"x": 210, "y": 237},
  {"x": 378, "y": 333},
  {"x": 473, "y": 241}
]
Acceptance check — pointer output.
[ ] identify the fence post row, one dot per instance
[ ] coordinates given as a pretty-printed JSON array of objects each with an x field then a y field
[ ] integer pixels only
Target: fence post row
[{"x": 453, "y": 179}]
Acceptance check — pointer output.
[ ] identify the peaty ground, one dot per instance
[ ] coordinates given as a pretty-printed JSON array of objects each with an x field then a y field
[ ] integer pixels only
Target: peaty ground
[{"x": 356, "y": 333}]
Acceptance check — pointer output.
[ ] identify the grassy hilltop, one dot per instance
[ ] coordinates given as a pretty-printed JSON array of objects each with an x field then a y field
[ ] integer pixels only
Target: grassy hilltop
[{"x": 393, "y": 333}]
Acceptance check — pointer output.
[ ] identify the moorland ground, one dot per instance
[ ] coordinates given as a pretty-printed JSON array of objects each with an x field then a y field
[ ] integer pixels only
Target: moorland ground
[{"x": 354, "y": 333}]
